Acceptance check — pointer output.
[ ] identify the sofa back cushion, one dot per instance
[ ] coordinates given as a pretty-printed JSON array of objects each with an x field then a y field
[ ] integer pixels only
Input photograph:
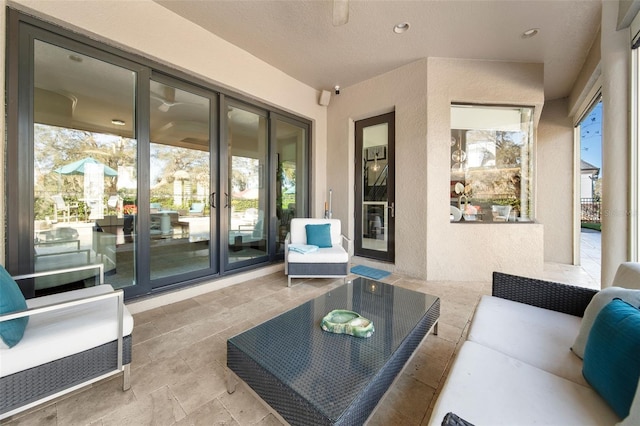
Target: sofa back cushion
[
  {"x": 11, "y": 300},
  {"x": 600, "y": 300},
  {"x": 611, "y": 356},
  {"x": 299, "y": 230},
  {"x": 627, "y": 275}
]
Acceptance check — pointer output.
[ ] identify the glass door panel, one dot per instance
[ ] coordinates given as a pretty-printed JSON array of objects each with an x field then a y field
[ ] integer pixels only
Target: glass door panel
[
  {"x": 375, "y": 209},
  {"x": 246, "y": 192},
  {"x": 179, "y": 186},
  {"x": 291, "y": 177},
  {"x": 85, "y": 156}
]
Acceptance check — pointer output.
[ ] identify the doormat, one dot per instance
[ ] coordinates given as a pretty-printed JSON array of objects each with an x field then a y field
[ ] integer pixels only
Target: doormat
[{"x": 373, "y": 273}]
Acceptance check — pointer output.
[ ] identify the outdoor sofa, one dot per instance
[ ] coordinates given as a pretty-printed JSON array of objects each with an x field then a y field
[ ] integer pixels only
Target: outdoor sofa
[
  {"x": 71, "y": 339},
  {"x": 519, "y": 364}
]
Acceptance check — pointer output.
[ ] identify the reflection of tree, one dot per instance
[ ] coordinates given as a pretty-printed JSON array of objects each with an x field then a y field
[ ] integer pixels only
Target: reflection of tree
[
  {"x": 508, "y": 149},
  {"x": 55, "y": 147},
  {"x": 244, "y": 173},
  {"x": 170, "y": 163}
]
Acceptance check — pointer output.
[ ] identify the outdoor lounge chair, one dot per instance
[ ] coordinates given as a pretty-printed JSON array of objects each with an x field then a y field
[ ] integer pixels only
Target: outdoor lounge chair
[
  {"x": 331, "y": 261},
  {"x": 71, "y": 339}
]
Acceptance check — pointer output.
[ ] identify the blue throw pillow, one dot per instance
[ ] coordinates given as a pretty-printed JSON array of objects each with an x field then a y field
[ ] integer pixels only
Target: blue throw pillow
[
  {"x": 611, "y": 356},
  {"x": 11, "y": 300},
  {"x": 319, "y": 235}
]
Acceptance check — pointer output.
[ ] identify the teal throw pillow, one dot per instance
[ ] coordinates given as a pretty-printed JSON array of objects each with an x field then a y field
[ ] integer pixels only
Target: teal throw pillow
[
  {"x": 611, "y": 356},
  {"x": 11, "y": 300},
  {"x": 319, "y": 235}
]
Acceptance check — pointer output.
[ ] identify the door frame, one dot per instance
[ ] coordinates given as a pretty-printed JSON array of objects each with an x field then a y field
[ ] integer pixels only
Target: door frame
[{"x": 389, "y": 254}]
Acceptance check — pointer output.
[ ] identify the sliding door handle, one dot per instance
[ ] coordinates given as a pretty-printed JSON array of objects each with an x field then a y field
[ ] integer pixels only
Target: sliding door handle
[
  {"x": 392, "y": 209},
  {"x": 212, "y": 200},
  {"x": 226, "y": 200}
]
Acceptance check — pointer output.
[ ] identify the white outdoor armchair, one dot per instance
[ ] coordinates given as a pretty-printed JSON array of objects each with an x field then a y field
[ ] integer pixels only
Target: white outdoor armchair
[{"x": 327, "y": 262}]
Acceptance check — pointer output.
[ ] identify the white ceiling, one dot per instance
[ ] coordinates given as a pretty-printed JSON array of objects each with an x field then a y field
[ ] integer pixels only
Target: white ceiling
[{"x": 298, "y": 37}]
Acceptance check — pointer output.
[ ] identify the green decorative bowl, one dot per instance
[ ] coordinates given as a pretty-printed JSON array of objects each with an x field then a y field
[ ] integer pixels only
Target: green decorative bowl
[{"x": 341, "y": 321}]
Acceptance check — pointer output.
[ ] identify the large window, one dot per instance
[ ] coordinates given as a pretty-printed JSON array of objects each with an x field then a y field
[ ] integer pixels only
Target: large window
[
  {"x": 491, "y": 154},
  {"x": 113, "y": 158}
]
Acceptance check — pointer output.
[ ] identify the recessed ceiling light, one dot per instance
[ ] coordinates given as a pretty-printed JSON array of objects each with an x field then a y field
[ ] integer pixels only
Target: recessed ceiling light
[
  {"x": 400, "y": 28},
  {"x": 118, "y": 122},
  {"x": 530, "y": 33}
]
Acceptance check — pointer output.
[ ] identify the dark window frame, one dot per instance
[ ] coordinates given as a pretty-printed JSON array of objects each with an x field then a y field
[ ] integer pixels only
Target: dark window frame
[{"x": 18, "y": 259}]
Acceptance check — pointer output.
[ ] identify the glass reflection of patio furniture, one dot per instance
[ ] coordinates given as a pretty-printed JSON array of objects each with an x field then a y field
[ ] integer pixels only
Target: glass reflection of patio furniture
[
  {"x": 57, "y": 236},
  {"x": 59, "y": 205},
  {"x": 58, "y": 248},
  {"x": 164, "y": 224},
  {"x": 249, "y": 235},
  {"x": 197, "y": 209},
  {"x": 500, "y": 213},
  {"x": 112, "y": 203}
]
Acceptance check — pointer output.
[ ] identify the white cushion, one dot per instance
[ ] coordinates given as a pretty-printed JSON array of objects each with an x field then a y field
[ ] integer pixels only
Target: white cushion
[
  {"x": 602, "y": 298},
  {"x": 486, "y": 387},
  {"x": 299, "y": 232},
  {"x": 54, "y": 335},
  {"x": 335, "y": 254},
  {"x": 539, "y": 337},
  {"x": 627, "y": 276}
]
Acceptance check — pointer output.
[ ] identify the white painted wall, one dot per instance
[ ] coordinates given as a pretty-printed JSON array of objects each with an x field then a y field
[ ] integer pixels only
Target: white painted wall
[{"x": 555, "y": 174}]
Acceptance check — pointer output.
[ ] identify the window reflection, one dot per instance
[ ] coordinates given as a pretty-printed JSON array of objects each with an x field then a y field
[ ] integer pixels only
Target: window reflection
[
  {"x": 490, "y": 163},
  {"x": 84, "y": 167}
]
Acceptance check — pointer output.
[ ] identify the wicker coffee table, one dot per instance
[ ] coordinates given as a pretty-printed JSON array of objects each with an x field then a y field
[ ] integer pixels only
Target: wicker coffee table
[{"x": 313, "y": 377}]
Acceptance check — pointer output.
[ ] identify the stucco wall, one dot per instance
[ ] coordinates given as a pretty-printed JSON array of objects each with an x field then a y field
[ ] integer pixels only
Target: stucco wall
[
  {"x": 427, "y": 245},
  {"x": 468, "y": 252},
  {"x": 555, "y": 171},
  {"x": 146, "y": 28},
  {"x": 405, "y": 91},
  {"x": 616, "y": 212}
]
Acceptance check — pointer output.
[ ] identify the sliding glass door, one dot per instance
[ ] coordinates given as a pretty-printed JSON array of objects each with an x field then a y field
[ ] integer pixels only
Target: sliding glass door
[
  {"x": 246, "y": 193},
  {"x": 291, "y": 175},
  {"x": 117, "y": 160},
  {"x": 84, "y": 167},
  {"x": 181, "y": 203}
]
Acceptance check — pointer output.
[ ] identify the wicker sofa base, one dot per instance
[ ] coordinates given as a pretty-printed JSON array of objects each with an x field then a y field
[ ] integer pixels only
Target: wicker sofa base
[
  {"x": 32, "y": 385},
  {"x": 317, "y": 270}
]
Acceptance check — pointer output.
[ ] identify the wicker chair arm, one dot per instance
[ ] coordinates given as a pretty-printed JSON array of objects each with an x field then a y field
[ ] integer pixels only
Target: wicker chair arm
[{"x": 554, "y": 296}]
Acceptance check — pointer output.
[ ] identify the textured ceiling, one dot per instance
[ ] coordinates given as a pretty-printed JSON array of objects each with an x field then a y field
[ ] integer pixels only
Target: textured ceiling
[{"x": 298, "y": 37}]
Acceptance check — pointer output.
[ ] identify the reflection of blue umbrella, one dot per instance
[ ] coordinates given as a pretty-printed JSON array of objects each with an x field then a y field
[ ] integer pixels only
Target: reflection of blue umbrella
[{"x": 77, "y": 168}]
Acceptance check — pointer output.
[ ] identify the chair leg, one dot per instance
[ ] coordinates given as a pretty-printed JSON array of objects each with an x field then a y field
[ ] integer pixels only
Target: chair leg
[
  {"x": 126, "y": 377},
  {"x": 289, "y": 281}
]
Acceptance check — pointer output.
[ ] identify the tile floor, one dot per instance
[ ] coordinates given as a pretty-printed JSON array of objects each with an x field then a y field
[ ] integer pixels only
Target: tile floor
[{"x": 179, "y": 357}]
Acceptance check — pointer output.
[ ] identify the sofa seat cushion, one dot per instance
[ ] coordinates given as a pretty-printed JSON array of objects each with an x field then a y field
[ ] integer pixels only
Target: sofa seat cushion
[
  {"x": 487, "y": 387},
  {"x": 57, "y": 334},
  {"x": 335, "y": 254},
  {"x": 539, "y": 337}
]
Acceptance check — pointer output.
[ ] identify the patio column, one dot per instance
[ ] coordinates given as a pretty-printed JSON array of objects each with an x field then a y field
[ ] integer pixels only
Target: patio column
[{"x": 615, "y": 54}]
